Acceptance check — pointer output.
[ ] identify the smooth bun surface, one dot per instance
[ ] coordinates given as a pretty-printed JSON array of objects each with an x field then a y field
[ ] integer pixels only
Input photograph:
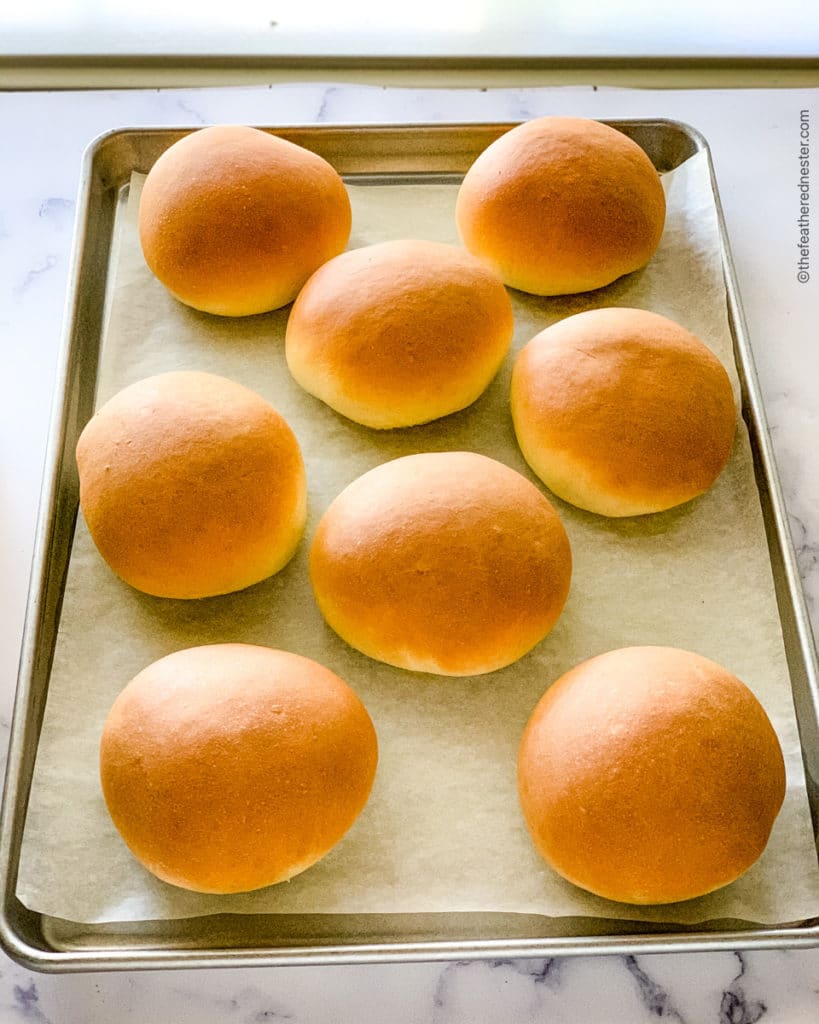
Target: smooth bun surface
[
  {"x": 622, "y": 412},
  {"x": 399, "y": 333},
  {"x": 449, "y": 563},
  {"x": 191, "y": 485},
  {"x": 233, "y": 220},
  {"x": 650, "y": 775},
  {"x": 560, "y": 205},
  {"x": 231, "y": 767}
]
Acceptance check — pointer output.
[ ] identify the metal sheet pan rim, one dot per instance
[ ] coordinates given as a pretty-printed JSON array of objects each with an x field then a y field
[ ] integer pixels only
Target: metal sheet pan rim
[{"x": 65, "y": 958}]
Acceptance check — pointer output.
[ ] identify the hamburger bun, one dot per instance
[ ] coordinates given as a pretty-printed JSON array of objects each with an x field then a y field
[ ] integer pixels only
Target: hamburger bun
[
  {"x": 622, "y": 412},
  {"x": 650, "y": 775},
  {"x": 399, "y": 333},
  {"x": 191, "y": 485},
  {"x": 561, "y": 205},
  {"x": 449, "y": 563},
  {"x": 233, "y": 220},
  {"x": 231, "y": 767}
]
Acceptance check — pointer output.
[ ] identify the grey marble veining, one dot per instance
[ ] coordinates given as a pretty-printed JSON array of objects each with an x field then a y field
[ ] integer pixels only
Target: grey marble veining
[
  {"x": 750, "y": 137},
  {"x": 725, "y": 988}
]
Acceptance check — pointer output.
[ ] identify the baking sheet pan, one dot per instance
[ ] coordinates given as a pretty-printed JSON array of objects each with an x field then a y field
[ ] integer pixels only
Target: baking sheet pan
[{"x": 416, "y": 153}]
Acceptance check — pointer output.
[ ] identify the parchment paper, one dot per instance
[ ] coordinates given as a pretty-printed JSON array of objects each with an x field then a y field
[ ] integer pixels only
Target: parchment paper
[{"x": 442, "y": 831}]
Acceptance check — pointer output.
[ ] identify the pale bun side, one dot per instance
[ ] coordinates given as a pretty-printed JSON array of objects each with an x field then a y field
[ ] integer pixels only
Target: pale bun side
[
  {"x": 449, "y": 563},
  {"x": 191, "y": 485},
  {"x": 399, "y": 333},
  {"x": 650, "y": 775},
  {"x": 231, "y": 767},
  {"x": 233, "y": 220},
  {"x": 560, "y": 205},
  {"x": 622, "y": 412}
]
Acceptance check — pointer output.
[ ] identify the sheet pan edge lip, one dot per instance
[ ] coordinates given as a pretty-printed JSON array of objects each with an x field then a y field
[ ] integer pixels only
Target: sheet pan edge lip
[
  {"x": 11, "y": 811},
  {"x": 58, "y": 960},
  {"x": 97, "y": 143},
  {"x": 64, "y": 960},
  {"x": 750, "y": 377}
]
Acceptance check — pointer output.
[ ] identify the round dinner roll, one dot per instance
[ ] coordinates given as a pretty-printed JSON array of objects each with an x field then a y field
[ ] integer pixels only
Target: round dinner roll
[
  {"x": 233, "y": 220},
  {"x": 622, "y": 412},
  {"x": 399, "y": 333},
  {"x": 446, "y": 562},
  {"x": 561, "y": 205},
  {"x": 191, "y": 485},
  {"x": 650, "y": 775},
  {"x": 231, "y": 767}
]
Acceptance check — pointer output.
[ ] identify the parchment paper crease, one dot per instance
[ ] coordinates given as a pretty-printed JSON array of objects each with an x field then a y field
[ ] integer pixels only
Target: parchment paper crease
[{"x": 442, "y": 831}]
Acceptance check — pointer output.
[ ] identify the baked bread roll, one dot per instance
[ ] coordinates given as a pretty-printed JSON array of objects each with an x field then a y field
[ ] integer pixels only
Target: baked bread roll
[
  {"x": 233, "y": 220},
  {"x": 622, "y": 412},
  {"x": 561, "y": 205},
  {"x": 448, "y": 562},
  {"x": 650, "y": 775},
  {"x": 399, "y": 333},
  {"x": 231, "y": 767},
  {"x": 191, "y": 485}
]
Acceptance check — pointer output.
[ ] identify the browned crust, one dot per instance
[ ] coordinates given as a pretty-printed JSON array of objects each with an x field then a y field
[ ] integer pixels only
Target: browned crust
[
  {"x": 650, "y": 775},
  {"x": 399, "y": 333},
  {"x": 233, "y": 220},
  {"x": 561, "y": 205},
  {"x": 448, "y": 562},
  {"x": 191, "y": 485},
  {"x": 622, "y": 411},
  {"x": 231, "y": 767}
]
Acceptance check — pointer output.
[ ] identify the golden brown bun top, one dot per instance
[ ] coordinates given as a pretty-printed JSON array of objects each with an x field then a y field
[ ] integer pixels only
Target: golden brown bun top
[
  {"x": 191, "y": 485},
  {"x": 233, "y": 220},
  {"x": 230, "y": 767},
  {"x": 650, "y": 775},
  {"x": 623, "y": 411},
  {"x": 560, "y": 205},
  {"x": 443, "y": 562},
  {"x": 400, "y": 332}
]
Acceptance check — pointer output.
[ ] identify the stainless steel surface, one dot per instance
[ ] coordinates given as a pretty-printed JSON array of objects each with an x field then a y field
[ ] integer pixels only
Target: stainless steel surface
[{"x": 417, "y": 153}]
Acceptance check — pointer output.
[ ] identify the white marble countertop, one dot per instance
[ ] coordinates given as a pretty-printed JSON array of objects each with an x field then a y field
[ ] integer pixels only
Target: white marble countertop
[{"x": 755, "y": 142}]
